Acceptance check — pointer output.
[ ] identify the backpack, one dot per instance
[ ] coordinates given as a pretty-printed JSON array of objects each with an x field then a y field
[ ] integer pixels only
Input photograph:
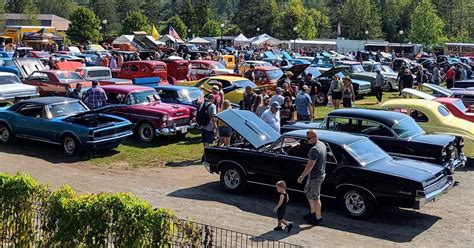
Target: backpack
[{"x": 202, "y": 116}]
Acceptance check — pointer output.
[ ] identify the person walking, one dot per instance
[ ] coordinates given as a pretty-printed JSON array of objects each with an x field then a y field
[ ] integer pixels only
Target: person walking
[
  {"x": 406, "y": 81},
  {"x": 304, "y": 105},
  {"x": 95, "y": 97},
  {"x": 206, "y": 119},
  {"x": 335, "y": 91},
  {"x": 420, "y": 77},
  {"x": 348, "y": 94},
  {"x": 287, "y": 112},
  {"x": 313, "y": 87},
  {"x": 450, "y": 77},
  {"x": 272, "y": 116},
  {"x": 76, "y": 92},
  {"x": 436, "y": 75},
  {"x": 250, "y": 74},
  {"x": 264, "y": 106},
  {"x": 225, "y": 132},
  {"x": 280, "y": 208},
  {"x": 249, "y": 99},
  {"x": 278, "y": 96},
  {"x": 258, "y": 100},
  {"x": 315, "y": 169},
  {"x": 113, "y": 62},
  {"x": 399, "y": 80},
  {"x": 379, "y": 81}
]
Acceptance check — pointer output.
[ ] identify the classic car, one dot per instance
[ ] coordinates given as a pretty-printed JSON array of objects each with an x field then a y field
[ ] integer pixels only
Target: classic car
[
  {"x": 205, "y": 68},
  {"x": 359, "y": 174},
  {"x": 143, "y": 69},
  {"x": 464, "y": 83},
  {"x": 62, "y": 121},
  {"x": 454, "y": 105},
  {"x": 178, "y": 69},
  {"x": 101, "y": 74},
  {"x": 7, "y": 65},
  {"x": 397, "y": 134},
  {"x": 185, "y": 95},
  {"x": 245, "y": 66},
  {"x": 389, "y": 74},
  {"x": 322, "y": 61},
  {"x": 229, "y": 61},
  {"x": 89, "y": 59},
  {"x": 56, "y": 83},
  {"x": 150, "y": 117},
  {"x": 433, "y": 117},
  {"x": 267, "y": 75},
  {"x": 234, "y": 87},
  {"x": 26, "y": 66},
  {"x": 356, "y": 71},
  {"x": 404, "y": 62},
  {"x": 11, "y": 88},
  {"x": 465, "y": 94}
]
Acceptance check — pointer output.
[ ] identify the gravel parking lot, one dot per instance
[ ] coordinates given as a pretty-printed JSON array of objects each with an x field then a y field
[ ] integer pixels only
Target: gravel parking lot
[{"x": 195, "y": 194}]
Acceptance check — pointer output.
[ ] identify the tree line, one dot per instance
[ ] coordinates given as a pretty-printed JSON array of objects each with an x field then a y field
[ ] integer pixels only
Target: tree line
[{"x": 429, "y": 22}]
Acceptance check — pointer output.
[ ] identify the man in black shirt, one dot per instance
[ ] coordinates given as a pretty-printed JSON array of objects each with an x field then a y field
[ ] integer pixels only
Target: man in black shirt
[{"x": 313, "y": 87}]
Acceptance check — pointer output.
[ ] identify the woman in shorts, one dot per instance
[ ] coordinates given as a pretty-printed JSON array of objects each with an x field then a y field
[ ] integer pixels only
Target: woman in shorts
[
  {"x": 225, "y": 132},
  {"x": 335, "y": 91}
]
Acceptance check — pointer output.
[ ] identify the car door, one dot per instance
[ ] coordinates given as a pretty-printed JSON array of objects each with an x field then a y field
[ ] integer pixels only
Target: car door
[
  {"x": 385, "y": 138},
  {"x": 34, "y": 122}
]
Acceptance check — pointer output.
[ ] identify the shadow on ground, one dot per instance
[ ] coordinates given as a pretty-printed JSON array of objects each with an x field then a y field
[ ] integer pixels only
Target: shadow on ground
[{"x": 392, "y": 224}]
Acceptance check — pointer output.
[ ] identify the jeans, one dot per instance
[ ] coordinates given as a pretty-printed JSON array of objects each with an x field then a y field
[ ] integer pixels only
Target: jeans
[{"x": 378, "y": 93}]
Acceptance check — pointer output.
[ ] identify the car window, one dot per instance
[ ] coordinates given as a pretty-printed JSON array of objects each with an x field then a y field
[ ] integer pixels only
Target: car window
[
  {"x": 9, "y": 79},
  {"x": 374, "y": 129},
  {"x": 225, "y": 83},
  {"x": 32, "y": 110},
  {"x": 330, "y": 156},
  {"x": 418, "y": 116},
  {"x": 400, "y": 110},
  {"x": 260, "y": 74},
  {"x": 342, "y": 124},
  {"x": 195, "y": 65},
  {"x": 115, "y": 98},
  {"x": 443, "y": 110},
  {"x": 367, "y": 67},
  {"x": 134, "y": 68}
]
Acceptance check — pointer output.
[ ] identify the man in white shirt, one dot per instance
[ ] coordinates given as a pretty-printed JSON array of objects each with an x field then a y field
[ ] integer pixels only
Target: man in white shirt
[{"x": 272, "y": 116}]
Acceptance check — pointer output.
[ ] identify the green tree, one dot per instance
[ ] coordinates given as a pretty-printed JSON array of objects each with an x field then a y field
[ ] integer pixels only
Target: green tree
[
  {"x": 321, "y": 22},
  {"x": 152, "y": 10},
  {"x": 62, "y": 8},
  {"x": 106, "y": 10},
  {"x": 426, "y": 25},
  {"x": 253, "y": 14},
  {"x": 204, "y": 9},
  {"x": 135, "y": 21},
  {"x": 30, "y": 14},
  {"x": 358, "y": 16},
  {"x": 211, "y": 29},
  {"x": 293, "y": 15},
  {"x": 395, "y": 16},
  {"x": 306, "y": 29},
  {"x": 17, "y": 6},
  {"x": 178, "y": 26},
  {"x": 188, "y": 15},
  {"x": 84, "y": 26},
  {"x": 232, "y": 30},
  {"x": 124, "y": 7},
  {"x": 459, "y": 18},
  {"x": 2, "y": 13}
]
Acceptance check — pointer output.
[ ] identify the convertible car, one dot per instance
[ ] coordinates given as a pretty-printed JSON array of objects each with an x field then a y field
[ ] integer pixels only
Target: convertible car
[
  {"x": 397, "y": 134},
  {"x": 62, "y": 121},
  {"x": 359, "y": 174}
]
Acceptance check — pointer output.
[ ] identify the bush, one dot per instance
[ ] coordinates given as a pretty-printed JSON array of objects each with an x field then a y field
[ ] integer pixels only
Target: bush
[{"x": 89, "y": 220}]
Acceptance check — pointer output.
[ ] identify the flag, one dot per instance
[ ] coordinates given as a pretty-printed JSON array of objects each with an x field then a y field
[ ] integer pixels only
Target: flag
[
  {"x": 338, "y": 31},
  {"x": 155, "y": 33},
  {"x": 173, "y": 33}
]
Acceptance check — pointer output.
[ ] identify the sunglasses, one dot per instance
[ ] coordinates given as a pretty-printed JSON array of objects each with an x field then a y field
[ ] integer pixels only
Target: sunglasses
[{"x": 310, "y": 137}]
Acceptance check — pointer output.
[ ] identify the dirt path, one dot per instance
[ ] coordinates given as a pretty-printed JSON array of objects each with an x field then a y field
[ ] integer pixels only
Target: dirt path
[{"x": 195, "y": 194}]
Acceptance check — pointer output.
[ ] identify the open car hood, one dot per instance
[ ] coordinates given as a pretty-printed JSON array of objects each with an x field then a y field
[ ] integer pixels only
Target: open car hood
[
  {"x": 418, "y": 93},
  {"x": 253, "y": 129},
  {"x": 439, "y": 89},
  {"x": 297, "y": 70},
  {"x": 331, "y": 72}
]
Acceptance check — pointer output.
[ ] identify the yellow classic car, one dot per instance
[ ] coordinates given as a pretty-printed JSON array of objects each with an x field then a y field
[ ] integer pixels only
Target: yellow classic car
[
  {"x": 433, "y": 117},
  {"x": 229, "y": 61},
  {"x": 234, "y": 87}
]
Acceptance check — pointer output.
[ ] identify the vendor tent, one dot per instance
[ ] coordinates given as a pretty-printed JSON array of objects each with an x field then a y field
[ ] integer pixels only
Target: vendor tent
[
  {"x": 241, "y": 39},
  {"x": 265, "y": 39},
  {"x": 199, "y": 40},
  {"x": 42, "y": 35}
]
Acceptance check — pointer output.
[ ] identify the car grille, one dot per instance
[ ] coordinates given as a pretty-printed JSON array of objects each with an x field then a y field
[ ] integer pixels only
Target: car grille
[
  {"x": 437, "y": 182},
  {"x": 110, "y": 132},
  {"x": 180, "y": 122}
]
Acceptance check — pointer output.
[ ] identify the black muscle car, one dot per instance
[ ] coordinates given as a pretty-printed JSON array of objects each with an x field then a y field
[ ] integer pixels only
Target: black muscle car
[
  {"x": 359, "y": 174},
  {"x": 396, "y": 133}
]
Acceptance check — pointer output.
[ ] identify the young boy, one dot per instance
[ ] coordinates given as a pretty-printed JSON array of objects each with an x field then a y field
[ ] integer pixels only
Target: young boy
[{"x": 280, "y": 208}]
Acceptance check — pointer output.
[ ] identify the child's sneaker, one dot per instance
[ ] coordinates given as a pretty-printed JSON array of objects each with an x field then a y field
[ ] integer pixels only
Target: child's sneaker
[
  {"x": 290, "y": 226},
  {"x": 278, "y": 228}
]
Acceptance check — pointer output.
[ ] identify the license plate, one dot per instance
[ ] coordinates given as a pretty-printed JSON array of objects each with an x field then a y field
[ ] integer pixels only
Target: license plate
[{"x": 184, "y": 130}]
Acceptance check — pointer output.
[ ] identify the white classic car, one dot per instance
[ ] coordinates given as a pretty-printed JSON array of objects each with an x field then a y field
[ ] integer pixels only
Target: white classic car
[{"x": 12, "y": 89}]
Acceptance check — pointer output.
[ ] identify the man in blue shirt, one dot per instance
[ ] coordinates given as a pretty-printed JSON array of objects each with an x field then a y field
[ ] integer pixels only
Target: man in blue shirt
[
  {"x": 304, "y": 105},
  {"x": 95, "y": 97}
]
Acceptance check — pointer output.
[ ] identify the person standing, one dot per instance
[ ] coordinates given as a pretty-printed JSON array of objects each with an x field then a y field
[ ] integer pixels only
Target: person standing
[
  {"x": 278, "y": 97},
  {"x": 436, "y": 75},
  {"x": 113, "y": 62},
  {"x": 450, "y": 77},
  {"x": 399, "y": 80},
  {"x": 95, "y": 97},
  {"x": 272, "y": 116},
  {"x": 119, "y": 60},
  {"x": 249, "y": 99},
  {"x": 348, "y": 94},
  {"x": 225, "y": 132},
  {"x": 280, "y": 208},
  {"x": 335, "y": 91},
  {"x": 316, "y": 171},
  {"x": 264, "y": 106},
  {"x": 313, "y": 87},
  {"x": 420, "y": 77},
  {"x": 287, "y": 112},
  {"x": 379, "y": 81},
  {"x": 106, "y": 61},
  {"x": 406, "y": 81},
  {"x": 76, "y": 93},
  {"x": 206, "y": 119},
  {"x": 250, "y": 74},
  {"x": 304, "y": 105}
]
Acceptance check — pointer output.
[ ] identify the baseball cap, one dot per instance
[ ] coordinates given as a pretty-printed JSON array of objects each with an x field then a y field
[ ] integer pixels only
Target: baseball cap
[
  {"x": 275, "y": 104},
  {"x": 278, "y": 89}
]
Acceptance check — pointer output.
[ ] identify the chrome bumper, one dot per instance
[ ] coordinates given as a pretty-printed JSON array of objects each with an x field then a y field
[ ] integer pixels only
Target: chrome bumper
[
  {"x": 111, "y": 138},
  {"x": 453, "y": 164},
  {"x": 172, "y": 130},
  {"x": 433, "y": 196},
  {"x": 363, "y": 91}
]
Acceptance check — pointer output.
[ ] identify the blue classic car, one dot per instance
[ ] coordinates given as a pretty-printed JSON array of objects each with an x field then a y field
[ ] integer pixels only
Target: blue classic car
[
  {"x": 186, "y": 95},
  {"x": 62, "y": 121}
]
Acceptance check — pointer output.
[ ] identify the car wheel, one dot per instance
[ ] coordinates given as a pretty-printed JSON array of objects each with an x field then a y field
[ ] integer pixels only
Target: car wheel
[
  {"x": 233, "y": 179},
  {"x": 321, "y": 98},
  {"x": 71, "y": 146},
  {"x": 146, "y": 132},
  {"x": 357, "y": 203},
  {"x": 6, "y": 135},
  {"x": 387, "y": 86}
]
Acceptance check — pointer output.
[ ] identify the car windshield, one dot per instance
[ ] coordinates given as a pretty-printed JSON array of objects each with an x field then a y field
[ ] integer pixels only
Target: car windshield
[
  {"x": 66, "y": 109},
  {"x": 407, "y": 128},
  {"x": 386, "y": 68},
  {"x": 377, "y": 67},
  {"x": 6, "y": 62},
  {"x": 314, "y": 72},
  {"x": 141, "y": 97},
  {"x": 190, "y": 95},
  {"x": 218, "y": 66},
  {"x": 192, "y": 47},
  {"x": 244, "y": 83},
  {"x": 366, "y": 152},
  {"x": 9, "y": 79},
  {"x": 67, "y": 76},
  {"x": 460, "y": 106},
  {"x": 274, "y": 74},
  {"x": 357, "y": 68}
]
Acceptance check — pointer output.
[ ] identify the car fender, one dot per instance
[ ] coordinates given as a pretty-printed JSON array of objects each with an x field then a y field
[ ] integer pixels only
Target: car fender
[
  {"x": 69, "y": 132},
  {"x": 230, "y": 162},
  {"x": 341, "y": 186}
]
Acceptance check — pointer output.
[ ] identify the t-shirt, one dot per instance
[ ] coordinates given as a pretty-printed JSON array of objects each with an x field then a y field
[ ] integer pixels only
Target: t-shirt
[
  {"x": 261, "y": 109},
  {"x": 249, "y": 99},
  {"x": 451, "y": 74},
  {"x": 272, "y": 119},
  {"x": 212, "y": 110},
  {"x": 318, "y": 154},
  {"x": 313, "y": 86},
  {"x": 287, "y": 112},
  {"x": 379, "y": 79},
  {"x": 278, "y": 98},
  {"x": 302, "y": 102}
]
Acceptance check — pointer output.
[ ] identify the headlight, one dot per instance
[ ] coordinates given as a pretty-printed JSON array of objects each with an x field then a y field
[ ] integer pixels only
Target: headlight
[
  {"x": 420, "y": 193},
  {"x": 164, "y": 118}
]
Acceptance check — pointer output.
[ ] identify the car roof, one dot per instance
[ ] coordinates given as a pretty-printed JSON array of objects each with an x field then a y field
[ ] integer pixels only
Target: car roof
[
  {"x": 175, "y": 87},
  {"x": 125, "y": 89},
  {"x": 204, "y": 61},
  {"x": 228, "y": 78},
  {"x": 388, "y": 118},
  {"x": 49, "y": 100},
  {"x": 338, "y": 138},
  {"x": 266, "y": 68},
  {"x": 410, "y": 103}
]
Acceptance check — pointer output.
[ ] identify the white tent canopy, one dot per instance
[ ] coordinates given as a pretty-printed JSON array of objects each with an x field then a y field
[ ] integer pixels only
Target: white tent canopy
[
  {"x": 241, "y": 39},
  {"x": 199, "y": 40},
  {"x": 124, "y": 39},
  {"x": 265, "y": 38}
]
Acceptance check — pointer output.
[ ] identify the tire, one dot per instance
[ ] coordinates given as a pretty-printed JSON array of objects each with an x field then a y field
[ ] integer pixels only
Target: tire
[
  {"x": 321, "y": 98},
  {"x": 356, "y": 203},
  {"x": 71, "y": 145},
  {"x": 181, "y": 135},
  {"x": 233, "y": 179},
  {"x": 387, "y": 86},
  {"x": 6, "y": 135},
  {"x": 146, "y": 132}
]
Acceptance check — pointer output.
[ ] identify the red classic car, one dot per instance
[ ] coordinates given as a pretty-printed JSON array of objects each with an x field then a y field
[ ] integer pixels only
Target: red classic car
[
  {"x": 205, "y": 68},
  {"x": 267, "y": 75},
  {"x": 143, "y": 69},
  {"x": 177, "y": 69},
  {"x": 151, "y": 117},
  {"x": 55, "y": 82}
]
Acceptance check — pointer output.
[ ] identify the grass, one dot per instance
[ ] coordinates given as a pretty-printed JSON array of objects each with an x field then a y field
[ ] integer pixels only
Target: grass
[{"x": 168, "y": 151}]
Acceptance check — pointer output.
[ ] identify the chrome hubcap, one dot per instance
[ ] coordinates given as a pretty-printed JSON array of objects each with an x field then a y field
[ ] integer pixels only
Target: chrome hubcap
[
  {"x": 69, "y": 145},
  {"x": 355, "y": 203},
  {"x": 320, "y": 98},
  {"x": 386, "y": 86},
  {"x": 5, "y": 134},
  {"x": 146, "y": 133},
  {"x": 231, "y": 179}
]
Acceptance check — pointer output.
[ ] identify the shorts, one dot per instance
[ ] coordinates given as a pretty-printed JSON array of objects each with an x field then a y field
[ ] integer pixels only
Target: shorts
[
  {"x": 281, "y": 213},
  {"x": 225, "y": 132},
  {"x": 313, "y": 188},
  {"x": 336, "y": 95},
  {"x": 303, "y": 117},
  {"x": 207, "y": 136}
]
